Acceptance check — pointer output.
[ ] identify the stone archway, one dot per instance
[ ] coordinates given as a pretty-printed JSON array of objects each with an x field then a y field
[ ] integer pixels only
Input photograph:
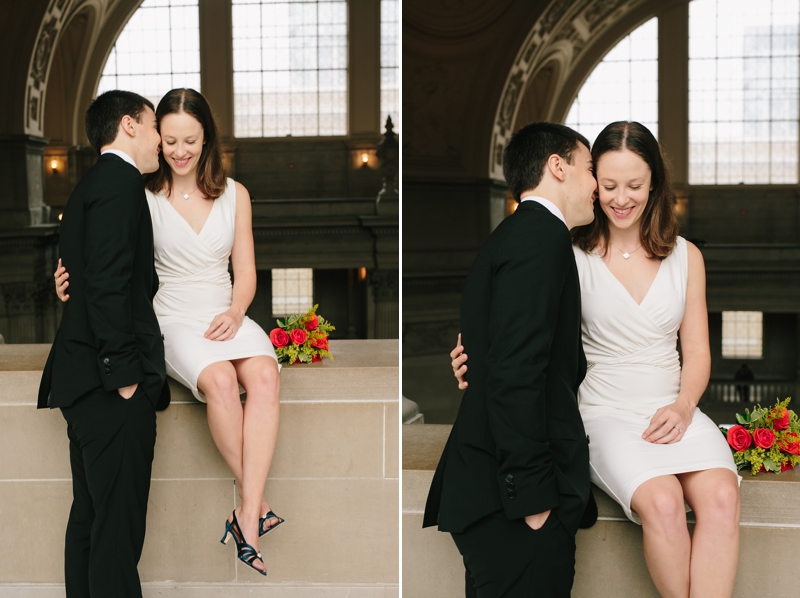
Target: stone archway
[{"x": 561, "y": 50}]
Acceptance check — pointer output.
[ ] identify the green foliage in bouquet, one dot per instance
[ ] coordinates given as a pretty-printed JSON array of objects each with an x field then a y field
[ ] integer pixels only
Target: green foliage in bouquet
[
  {"x": 302, "y": 338},
  {"x": 765, "y": 439}
]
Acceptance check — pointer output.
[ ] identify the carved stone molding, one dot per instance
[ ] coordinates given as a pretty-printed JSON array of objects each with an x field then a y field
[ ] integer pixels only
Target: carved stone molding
[
  {"x": 562, "y": 33},
  {"x": 385, "y": 285}
]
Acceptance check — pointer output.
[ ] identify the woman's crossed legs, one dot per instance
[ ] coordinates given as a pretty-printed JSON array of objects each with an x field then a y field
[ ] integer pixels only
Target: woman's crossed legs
[{"x": 245, "y": 436}]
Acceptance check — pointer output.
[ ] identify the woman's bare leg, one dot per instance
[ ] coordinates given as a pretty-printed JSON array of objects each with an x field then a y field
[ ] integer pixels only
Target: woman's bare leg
[
  {"x": 667, "y": 546},
  {"x": 714, "y": 497}
]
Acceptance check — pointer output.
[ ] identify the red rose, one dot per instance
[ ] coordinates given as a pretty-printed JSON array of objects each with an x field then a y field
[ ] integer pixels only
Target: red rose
[
  {"x": 316, "y": 358},
  {"x": 786, "y": 465},
  {"x": 279, "y": 337},
  {"x": 790, "y": 443},
  {"x": 764, "y": 437},
  {"x": 313, "y": 322},
  {"x": 782, "y": 422},
  {"x": 299, "y": 336},
  {"x": 320, "y": 343},
  {"x": 739, "y": 438}
]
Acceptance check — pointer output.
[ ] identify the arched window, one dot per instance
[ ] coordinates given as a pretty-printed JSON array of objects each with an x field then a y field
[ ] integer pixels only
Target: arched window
[
  {"x": 743, "y": 88},
  {"x": 624, "y": 86},
  {"x": 158, "y": 50},
  {"x": 289, "y": 68}
]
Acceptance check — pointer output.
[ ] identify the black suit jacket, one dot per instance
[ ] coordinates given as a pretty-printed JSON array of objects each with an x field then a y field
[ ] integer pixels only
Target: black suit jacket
[
  {"x": 109, "y": 336},
  {"x": 518, "y": 442}
]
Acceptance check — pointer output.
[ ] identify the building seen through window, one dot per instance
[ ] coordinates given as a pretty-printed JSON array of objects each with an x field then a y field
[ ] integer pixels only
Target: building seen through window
[
  {"x": 289, "y": 68},
  {"x": 743, "y": 88}
]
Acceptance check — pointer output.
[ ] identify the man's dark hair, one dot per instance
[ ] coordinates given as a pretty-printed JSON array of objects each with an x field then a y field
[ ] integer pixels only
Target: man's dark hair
[
  {"x": 105, "y": 112},
  {"x": 526, "y": 154}
]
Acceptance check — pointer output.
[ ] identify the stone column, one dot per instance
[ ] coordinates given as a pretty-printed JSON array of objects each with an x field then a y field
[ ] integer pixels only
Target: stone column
[
  {"x": 216, "y": 60},
  {"x": 22, "y": 172},
  {"x": 364, "y": 67},
  {"x": 384, "y": 307}
]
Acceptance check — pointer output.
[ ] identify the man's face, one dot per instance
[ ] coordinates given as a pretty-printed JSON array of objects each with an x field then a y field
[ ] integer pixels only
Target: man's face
[
  {"x": 581, "y": 187},
  {"x": 147, "y": 141}
]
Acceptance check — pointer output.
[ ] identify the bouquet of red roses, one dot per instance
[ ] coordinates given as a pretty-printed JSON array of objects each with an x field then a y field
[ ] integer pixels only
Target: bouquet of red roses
[
  {"x": 302, "y": 338},
  {"x": 766, "y": 439}
]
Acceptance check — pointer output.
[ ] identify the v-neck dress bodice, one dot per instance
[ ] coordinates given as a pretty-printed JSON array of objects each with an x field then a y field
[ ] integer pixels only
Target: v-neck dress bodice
[
  {"x": 633, "y": 370},
  {"x": 195, "y": 286}
]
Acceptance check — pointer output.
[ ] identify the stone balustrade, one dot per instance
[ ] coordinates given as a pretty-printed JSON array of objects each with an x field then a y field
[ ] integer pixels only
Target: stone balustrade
[
  {"x": 609, "y": 559},
  {"x": 335, "y": 479}
]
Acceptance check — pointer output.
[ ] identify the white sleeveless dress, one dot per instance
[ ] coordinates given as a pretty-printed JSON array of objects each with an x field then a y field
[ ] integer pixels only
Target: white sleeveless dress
[
  {"x": 195, "y": 286},
  {"x": 633, "y": 370}
]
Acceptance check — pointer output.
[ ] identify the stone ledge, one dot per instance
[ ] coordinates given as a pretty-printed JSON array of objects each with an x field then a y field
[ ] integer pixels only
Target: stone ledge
[
  {"x": 265, "y": 590},
  {"x": 767, "y": 499},
  {"x": 362, "y": 370}
]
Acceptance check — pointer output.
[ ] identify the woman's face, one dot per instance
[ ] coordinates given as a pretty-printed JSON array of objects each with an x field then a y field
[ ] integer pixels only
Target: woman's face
[
  {"x": 181, "y": 142},
  {"x": 623, "y": 181}
]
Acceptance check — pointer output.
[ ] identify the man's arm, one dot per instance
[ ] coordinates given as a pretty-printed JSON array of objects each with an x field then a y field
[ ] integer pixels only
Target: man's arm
[
  {"x": 111, "y": 235},
  {"x": 526, "y": 290}
]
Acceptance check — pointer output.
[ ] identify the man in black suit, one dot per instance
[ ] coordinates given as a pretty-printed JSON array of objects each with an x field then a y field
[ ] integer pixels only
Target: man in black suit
[
  {"x": 106, "y": 368},
  {"x": 512, "y": 486}
]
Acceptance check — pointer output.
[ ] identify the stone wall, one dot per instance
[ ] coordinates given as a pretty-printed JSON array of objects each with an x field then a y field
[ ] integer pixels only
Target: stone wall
[{"x": 335, "y": 479}]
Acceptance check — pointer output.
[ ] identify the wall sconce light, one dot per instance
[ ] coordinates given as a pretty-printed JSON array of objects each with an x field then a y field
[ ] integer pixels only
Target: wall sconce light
[
  {"x": 364, "y": 160},
  {"x": 362, "y": 274},
  {"x": 54, "y": 166},
  {"x": 60, "y": 216}
]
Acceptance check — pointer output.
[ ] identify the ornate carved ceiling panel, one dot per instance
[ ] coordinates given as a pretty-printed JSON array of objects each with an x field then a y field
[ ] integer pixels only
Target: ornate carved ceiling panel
[{"x": 453, "y": 18}]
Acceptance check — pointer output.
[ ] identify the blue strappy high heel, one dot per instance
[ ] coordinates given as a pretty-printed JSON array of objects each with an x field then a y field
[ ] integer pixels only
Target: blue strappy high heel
[
  {"x": 246, "y": 553},
  {"x": 263, "y": 520}
]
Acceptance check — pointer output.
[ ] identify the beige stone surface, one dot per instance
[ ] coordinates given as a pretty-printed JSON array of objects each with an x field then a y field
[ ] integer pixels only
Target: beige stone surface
[
  {"x": 33, "y": 444},
  {"x": 151, "y": 590},
  {"x": 432, "y": 566},
  {"x": 34, "y": 516},
  {"x": 330, "y": 440},
  {"x": 391, "y": 440},
  {"x": 185, "y": 521}
]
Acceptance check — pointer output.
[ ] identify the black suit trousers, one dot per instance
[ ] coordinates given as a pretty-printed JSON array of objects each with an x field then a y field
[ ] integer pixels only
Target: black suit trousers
[
  {"x": 507, "y": 559},
  {"x": 111, "y": 454}
]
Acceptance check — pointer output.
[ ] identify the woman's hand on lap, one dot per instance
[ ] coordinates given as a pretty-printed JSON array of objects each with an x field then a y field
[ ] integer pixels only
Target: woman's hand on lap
[
  {"x": 669, "y": 424},
  {"x": 225, "y": 326}
]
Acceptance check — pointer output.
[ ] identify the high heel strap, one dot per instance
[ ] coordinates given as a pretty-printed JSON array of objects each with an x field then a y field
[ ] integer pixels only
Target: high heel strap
[
  {"x": 244, "y": 551},
  {"x": 264, "y": 519}
]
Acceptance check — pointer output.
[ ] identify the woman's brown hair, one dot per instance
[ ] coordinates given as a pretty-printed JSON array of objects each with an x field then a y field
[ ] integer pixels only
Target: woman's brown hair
[
  {"x": 659, "y": 225},
  {"x": 211, "y": 175}
]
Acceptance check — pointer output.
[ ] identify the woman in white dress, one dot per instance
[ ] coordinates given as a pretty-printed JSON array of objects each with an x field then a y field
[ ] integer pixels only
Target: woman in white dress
[
  {"x": 652, "y": 450},
  {"x": 201, "y": 218}
]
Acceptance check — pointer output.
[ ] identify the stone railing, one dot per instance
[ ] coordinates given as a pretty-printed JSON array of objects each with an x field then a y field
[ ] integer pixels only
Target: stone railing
[
  {"x": 335, "y": 479},
  {"x": 609, "y": 560},
  {"x": 761, "y": 391}
]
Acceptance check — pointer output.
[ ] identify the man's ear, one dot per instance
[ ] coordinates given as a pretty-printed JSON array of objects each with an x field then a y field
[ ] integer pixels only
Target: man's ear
[
  {"x": 127, "y": 125},
  {"x": 555, "y": 164}
]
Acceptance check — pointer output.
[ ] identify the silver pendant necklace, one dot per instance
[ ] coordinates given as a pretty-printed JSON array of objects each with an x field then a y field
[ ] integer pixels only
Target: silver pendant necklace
[
  {"x": 627, "y": 254},
  {"x": 186, "y": 195}
]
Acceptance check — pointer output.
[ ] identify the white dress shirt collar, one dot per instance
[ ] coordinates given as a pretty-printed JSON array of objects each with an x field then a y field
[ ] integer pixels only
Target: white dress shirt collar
[
  {"x": 547, "y": 204},
  {"x": 122, "y": 155}
]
